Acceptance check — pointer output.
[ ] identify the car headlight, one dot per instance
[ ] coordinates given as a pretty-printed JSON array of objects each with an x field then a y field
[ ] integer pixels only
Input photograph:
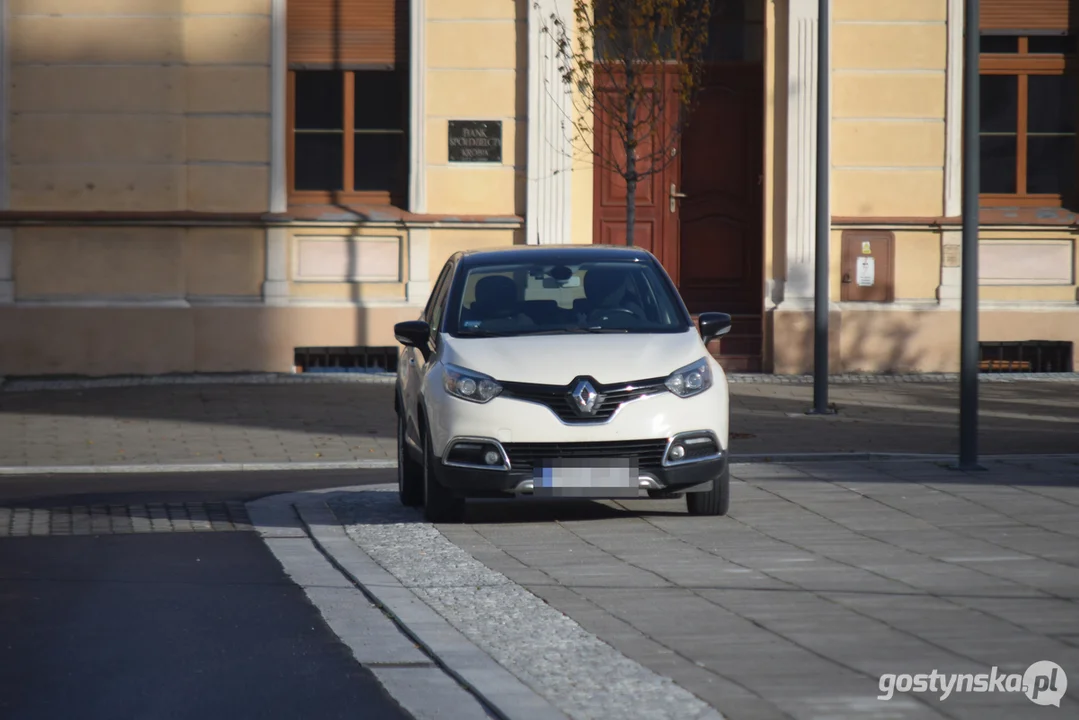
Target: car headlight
[
  {"x": 690, "y": 380},
  {"x": 469, "y": 385}
]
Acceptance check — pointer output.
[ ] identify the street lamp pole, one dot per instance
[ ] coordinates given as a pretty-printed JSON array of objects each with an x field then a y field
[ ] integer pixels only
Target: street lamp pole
[
  {"x": 821, "y": 289},
  {"x": 968, "y": 352}
]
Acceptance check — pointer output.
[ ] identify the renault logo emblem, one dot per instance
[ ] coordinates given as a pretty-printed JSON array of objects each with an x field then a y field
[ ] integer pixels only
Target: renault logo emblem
[{"x": 585, "y": 397}]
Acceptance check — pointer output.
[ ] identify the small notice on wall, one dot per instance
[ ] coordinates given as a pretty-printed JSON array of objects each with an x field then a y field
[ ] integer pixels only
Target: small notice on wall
[
  {"x": 866, "y": 272},
  {"x": 475, "y": 141}
]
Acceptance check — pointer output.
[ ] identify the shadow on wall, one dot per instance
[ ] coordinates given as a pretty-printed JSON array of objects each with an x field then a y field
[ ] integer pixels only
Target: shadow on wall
[
  {"x": 889, "y": 342},
  {"x": 520, "y": 149},
  {"x": 881, "y": 343},
  {"x": 100, "y": 112},
  {"x": 781, "y": 95}
]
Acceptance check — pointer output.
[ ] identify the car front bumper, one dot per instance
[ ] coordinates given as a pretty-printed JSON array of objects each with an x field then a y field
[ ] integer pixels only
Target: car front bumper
[
  {"x": 527, "y": 435},
  {"x": 475, "y": 482}
]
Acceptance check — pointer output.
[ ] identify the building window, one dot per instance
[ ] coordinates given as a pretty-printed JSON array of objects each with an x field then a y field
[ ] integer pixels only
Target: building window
[
  {"x": 1028, "y": 120},
  {"x": 348, "y": 102},
  {"x": 366, "y": 162}
]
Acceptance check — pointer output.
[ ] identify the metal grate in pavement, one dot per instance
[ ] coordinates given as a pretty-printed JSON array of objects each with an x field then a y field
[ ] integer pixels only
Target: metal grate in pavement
[{"x": 124, "y": 519}]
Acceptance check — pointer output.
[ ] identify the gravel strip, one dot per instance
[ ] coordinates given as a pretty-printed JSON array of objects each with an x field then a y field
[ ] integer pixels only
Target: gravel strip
[{"x": 578, "y": 673}]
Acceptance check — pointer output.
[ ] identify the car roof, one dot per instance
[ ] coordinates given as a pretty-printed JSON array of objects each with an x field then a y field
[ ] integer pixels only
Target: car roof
[{"x": 554, "y": 254}]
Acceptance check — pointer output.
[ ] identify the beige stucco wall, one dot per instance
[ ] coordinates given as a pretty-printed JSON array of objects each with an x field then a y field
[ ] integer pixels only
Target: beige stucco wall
[
  {"x": 98, "y": 341},
  {"x": 475, "y": 71},
  {"x": 128, "y": 106},
  {"x": 889, "y": 60},
  {"x": 446, "y": 242},
  {"x": 146, "y": 263},
  {"x": 903, "y": 341}
]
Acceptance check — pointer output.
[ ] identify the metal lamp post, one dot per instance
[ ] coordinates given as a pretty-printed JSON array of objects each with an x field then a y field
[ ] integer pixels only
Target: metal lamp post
[
  {"x": 821, "y": 289},
  {"x": 968, "y": 351}
]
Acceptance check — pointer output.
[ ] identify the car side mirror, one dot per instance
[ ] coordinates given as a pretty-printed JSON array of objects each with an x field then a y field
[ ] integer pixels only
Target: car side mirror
[
  {"x": 414, "y": 333},
  {"x": 713, "y": 325}
]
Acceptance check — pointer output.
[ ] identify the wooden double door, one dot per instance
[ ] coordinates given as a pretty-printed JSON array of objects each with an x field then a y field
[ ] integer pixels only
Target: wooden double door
[{"x": 702, "y": 214}]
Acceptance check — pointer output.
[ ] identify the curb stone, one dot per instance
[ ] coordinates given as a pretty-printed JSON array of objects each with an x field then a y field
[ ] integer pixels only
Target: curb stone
[
  {"x": 194, "y": 467},
  {"x": 502, "y": 692}
]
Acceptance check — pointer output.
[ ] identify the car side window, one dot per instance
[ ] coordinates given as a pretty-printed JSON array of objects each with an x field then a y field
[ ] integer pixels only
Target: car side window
[
  {"x": 440, "y": 298},
  {"x": 433, "y": 300}
]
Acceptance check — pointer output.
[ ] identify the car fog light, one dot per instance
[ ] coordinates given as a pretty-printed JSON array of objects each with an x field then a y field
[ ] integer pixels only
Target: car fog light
[
  {"x": 491, "y": 458},
  {"x": 678, "y": 452}
]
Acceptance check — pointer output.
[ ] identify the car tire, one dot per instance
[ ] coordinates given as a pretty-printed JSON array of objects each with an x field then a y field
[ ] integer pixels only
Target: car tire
[
  {"x": 439, "y": 504},
  {"x": 712, "y": 502},
  {"x": 409, "y": 472}
]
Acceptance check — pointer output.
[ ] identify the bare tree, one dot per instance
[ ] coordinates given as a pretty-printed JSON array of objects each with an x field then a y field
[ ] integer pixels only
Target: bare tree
[{"x": 634, "y": 67}]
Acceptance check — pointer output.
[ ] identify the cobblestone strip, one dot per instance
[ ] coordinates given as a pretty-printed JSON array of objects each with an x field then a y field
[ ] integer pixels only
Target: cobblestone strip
[
  {"x": 575, "y": 671},
  {"x": 124, "y": 519}
]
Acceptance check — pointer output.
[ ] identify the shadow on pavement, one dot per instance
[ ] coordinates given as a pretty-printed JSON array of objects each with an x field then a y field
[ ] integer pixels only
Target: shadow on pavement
[{"x": 41, "y": 491}]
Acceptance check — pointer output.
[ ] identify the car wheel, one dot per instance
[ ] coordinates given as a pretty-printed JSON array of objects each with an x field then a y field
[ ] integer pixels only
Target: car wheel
[
  {"x": 715, "y": 501},
  {"x": 409, "y": 472},
  {"x": 439, "y": 504}
]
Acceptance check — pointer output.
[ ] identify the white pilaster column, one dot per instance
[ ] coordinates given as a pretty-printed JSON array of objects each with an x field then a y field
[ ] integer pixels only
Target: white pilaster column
[
  {"x": 278, "y": 106},
  {"x": 948, "y": 293},
  {"x": 801, "y": 94},
  {"x": 550, "y": 130},
  {"x": 418, "y": 286},
  {"x": 7, "y": 266},
  {"x": 417, "y": 82},
  {"x": 275, "y": 287}
]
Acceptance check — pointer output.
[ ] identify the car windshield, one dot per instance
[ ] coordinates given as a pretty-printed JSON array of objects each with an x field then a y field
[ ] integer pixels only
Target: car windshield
[{"x": 594, "y": 297}]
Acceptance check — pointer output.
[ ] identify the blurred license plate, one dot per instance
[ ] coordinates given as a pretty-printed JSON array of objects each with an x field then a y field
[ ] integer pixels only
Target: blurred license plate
[{"x": 586, "y": 478}]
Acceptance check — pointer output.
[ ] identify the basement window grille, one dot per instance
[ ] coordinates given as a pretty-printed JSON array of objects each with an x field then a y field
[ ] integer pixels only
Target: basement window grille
[
  {"x": 1025, "y": 356},
  {"x": 346, "y": 360}
]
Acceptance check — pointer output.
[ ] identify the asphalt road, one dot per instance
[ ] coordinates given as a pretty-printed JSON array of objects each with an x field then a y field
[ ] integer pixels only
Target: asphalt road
[
  {"x": 130, "y": 488},
  {"x": 167, "y": 625}
]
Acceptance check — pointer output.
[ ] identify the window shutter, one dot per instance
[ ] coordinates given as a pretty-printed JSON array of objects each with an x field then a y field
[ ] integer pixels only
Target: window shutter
[
  {"x": 347, "y": 34},
  {"x": 1026, "y": 15}
]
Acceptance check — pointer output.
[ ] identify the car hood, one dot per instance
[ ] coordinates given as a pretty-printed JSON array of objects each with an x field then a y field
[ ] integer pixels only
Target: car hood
[{"x": 558, "y": 359}]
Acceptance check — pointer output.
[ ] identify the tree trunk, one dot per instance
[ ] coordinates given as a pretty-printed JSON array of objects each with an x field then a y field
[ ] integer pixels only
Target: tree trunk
[{"x": 631, "y": 163}]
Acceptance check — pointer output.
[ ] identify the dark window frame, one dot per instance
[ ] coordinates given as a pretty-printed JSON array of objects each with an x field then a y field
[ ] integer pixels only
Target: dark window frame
[
  {"x": 1023, "y": 64},
  {"x": 397, "y": 195}
]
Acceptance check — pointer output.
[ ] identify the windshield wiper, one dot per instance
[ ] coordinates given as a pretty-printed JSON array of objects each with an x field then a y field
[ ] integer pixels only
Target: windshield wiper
[
  {"x": 574, "y": 330},
  {"x": 481, "y": 333}
]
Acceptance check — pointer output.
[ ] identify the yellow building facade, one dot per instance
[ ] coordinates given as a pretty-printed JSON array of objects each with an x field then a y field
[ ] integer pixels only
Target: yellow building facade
[{"x": 209, "y": 185}]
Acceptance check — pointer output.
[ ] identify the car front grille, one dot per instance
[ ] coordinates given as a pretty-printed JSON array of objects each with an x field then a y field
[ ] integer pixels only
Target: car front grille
[
  {"x": 558, "y": 398},
  {"x": 647, "y": 453}
]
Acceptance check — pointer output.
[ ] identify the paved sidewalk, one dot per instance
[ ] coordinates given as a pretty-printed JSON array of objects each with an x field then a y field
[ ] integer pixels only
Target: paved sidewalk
[
  {"x": 824, "y": 577},
  {"x": 326, "y": 422}
]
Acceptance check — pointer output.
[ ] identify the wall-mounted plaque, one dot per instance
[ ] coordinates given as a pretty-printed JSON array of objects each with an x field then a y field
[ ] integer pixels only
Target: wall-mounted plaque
[{"x": 475, "y": 141}]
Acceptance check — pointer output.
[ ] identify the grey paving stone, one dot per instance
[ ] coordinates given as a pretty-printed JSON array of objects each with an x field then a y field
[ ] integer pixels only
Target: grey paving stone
[{"x": 429, "y": 694}]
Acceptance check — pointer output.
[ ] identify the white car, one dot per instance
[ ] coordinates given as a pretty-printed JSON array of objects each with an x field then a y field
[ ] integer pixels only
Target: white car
[{"x": 559, "y": 371}]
